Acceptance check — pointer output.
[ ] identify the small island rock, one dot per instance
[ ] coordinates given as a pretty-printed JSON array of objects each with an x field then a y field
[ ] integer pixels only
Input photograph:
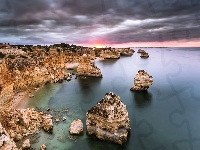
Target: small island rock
[
  {"x": 108, "y": 120},
  {"x": 142, "y": 81}
]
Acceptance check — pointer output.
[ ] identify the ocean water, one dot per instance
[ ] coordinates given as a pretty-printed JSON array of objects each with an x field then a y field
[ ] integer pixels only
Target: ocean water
[{"x": 164, "y": 117}]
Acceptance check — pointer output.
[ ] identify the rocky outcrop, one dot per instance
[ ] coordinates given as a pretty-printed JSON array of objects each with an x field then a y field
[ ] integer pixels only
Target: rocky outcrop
[
  {"x": 43, "y": 147},
  {"x": 87, "y": 69},
  {"x": 108, "y": 120},
  {"x": 142, "y": 81},
  {"x": 20, "y": 123},
  {"x": 141, "y": 51},
  {"x": 26, "y": 144},
  {"x": 144, "y": 55},
  {"x": 6, "y": 143},
  {"x": 76, "y": 127},
  {"x": 110, "y": 54},
  {"x": 126, "y": 51}
]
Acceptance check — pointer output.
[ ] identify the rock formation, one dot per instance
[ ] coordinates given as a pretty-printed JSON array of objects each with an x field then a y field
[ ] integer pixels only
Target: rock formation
[
  {"x": 110, "y": 54},
  {"x": 20, "y": 123},
  {"x": 43, "y": 147},
  {"x": 6, "y": 143},
  {"x": 76, "y": 127},
  {"x": 142, "y": 81},
  {"x": 87, "y": 69},
  {"x": 141, "y": 51},
  {"x": 108, "y": 120},
  {"x": 144, "y": 55},
  {"x": 26, "y": 144},
  {"x": 125, "y": 51}
]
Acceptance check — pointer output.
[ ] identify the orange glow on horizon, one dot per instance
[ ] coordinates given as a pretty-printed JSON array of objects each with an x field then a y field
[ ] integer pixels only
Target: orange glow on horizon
[{"x": 181, "y": 43}]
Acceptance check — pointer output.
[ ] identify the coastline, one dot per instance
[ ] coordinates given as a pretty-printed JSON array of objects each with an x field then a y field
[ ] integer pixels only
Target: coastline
[{"x": 21, "y": 98}]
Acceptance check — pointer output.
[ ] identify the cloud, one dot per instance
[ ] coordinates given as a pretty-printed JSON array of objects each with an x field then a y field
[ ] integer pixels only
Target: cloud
[{"x": 114, "y": 21}]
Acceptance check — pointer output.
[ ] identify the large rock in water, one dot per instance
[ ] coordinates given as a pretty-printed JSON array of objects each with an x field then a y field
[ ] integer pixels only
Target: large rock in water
[
  {"x": 108, "y": 120},
  {"x": 142, "y": 81}
]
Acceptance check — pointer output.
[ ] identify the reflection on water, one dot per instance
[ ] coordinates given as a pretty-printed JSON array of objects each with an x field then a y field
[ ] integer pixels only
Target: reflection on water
[{"x": 142, "y": 98}]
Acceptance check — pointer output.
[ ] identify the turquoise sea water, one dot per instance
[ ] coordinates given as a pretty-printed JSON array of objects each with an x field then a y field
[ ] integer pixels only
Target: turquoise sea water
[{"x": 164, "y": 117}]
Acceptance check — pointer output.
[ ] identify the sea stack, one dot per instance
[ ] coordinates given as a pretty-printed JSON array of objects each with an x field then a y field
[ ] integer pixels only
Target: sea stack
[
  {"x": 142, "y": 81},
  {"x": 87, "y": 69},
  {"x": 144, "y": 55},
  {"x": 108, "y": 120}
]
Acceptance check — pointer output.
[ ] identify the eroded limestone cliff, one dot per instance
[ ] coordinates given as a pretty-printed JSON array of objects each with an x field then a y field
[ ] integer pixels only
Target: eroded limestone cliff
[{"x": 87, "y": 69}]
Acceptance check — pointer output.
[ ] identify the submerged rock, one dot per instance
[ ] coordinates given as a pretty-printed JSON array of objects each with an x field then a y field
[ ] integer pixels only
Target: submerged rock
[
  {"x": 142, "y": 81},
  {"x": 76, "y": 127},
  {"x": 108, "y": 120}
]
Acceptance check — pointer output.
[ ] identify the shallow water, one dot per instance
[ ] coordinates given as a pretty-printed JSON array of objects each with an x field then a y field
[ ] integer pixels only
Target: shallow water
[{"x": 164, "y": 117}]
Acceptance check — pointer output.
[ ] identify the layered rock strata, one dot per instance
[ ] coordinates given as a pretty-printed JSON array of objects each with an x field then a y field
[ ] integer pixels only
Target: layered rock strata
[
  {"x": 108, "y": 120},
  {"x": 76, "y": 127},
  {"x": 87, "y": 69},
  {"x": 142, "y": 81}
]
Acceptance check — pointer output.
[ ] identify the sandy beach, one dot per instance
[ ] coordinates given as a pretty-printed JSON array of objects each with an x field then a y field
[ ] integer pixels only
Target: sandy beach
[{"x": 21, "y": 98}]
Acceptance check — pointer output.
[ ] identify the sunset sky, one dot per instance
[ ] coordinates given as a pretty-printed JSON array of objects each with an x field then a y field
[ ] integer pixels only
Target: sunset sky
[{"x": 117, "y": 23}]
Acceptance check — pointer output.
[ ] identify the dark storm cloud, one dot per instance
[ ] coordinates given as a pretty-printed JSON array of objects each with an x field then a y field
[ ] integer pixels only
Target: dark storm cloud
[{"x": 116, "y": 21}]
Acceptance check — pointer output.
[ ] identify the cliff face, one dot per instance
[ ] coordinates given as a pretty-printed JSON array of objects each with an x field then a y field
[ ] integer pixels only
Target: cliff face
[
  {"x": 108, "y": 120},
  {"x": 107, "y": 54},
  {"x": 87, "y": 69},
  {"x": 142, "y": 81}
]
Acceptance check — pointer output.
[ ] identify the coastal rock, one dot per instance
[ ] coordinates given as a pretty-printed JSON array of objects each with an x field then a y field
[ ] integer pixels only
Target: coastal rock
[
  {"x": 142, "y": 81},
  {"x": 108, "y": 120},
  {"x": 141, "y": 51},
  {"x": 144, "y": 55},
  {"x": 26, "y": 144},
  {"x": 6, "y": 143},
  {"x": 20, "y": 123},
  {"x": 76, "y": 127},
  {"x": 110, "y": 54},
  {"x": 47, "y": 123},
  {"x": 126, "y": 51},
  {"x": 87, "y": 69},
  {"x": 43, "y": 147}
]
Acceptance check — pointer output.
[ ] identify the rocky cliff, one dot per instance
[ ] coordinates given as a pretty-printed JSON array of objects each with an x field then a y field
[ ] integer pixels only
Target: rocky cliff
[
  {"x": 142, "y": 81},
  {"x": 87, "y": 69},
  {"x": 110, "y": 54},
  {"x": 108, "y": 120}
]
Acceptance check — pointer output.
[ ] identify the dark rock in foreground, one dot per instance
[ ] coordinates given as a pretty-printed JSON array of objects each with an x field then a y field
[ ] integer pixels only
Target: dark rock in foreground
[{"x": 108, "y": 120}]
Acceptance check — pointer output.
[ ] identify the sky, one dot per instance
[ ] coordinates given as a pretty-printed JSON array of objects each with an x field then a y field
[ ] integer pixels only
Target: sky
[{"x": 116, "y": 23}]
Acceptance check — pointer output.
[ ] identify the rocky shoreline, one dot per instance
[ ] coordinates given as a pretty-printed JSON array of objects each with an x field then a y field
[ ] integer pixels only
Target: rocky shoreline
[{"x": 23, "y": 72}]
